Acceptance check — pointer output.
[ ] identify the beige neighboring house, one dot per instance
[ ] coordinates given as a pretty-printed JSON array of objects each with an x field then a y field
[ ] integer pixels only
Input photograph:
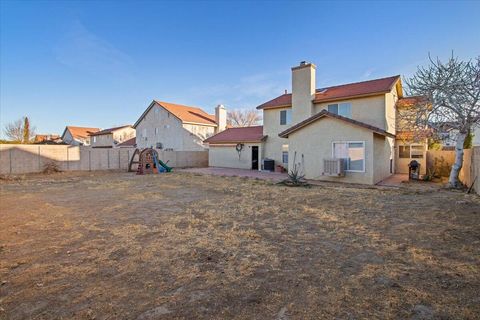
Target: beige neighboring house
[
  {"x": 339, "y": 133},
  {"x": 175, "y": 127},
  {"x": 78, "y": 136},
  {"x": 111, "y": 137}
]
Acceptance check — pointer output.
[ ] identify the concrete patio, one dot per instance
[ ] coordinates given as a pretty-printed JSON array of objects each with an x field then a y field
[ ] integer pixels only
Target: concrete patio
[{"x": 231, "y": 172}]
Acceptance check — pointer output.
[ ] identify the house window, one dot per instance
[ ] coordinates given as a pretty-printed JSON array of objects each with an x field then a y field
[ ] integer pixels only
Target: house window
[
  {"x": 286, "y": 116},
  {"x": 342, "y": 109},
  {"x": 413, "y": 151},
  {"x": 156, "y": 131},
  {"x": 285, "y": 157},
  {"x": 353, "y": 152},
  {"x": 94, "y": 139}
]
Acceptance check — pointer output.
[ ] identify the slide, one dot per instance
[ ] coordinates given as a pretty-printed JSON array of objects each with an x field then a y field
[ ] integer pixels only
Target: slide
[
  {"x": 159, "y": 168},
  {"x": 164, "y": 165}
]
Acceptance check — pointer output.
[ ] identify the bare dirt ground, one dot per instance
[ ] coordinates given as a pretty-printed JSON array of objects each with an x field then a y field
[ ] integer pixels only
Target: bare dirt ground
[{"x": 183, "y": 245}]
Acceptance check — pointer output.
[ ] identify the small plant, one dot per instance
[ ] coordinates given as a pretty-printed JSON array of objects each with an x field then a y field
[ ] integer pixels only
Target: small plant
[
  {"x": 51, "y": 167},
  {"x": 296, "y": 177}
]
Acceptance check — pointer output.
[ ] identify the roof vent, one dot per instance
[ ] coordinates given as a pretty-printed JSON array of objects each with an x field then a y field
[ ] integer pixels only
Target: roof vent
[{"x": 302, "y": 63}]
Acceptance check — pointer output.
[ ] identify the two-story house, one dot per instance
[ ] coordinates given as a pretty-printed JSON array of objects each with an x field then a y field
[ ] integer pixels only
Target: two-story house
[
  {"x": 78, "y": 136},
  {"x": 354, "y": 122},
  {"x": 177, "y": 127},
  {"x": 111, "y": 137}
]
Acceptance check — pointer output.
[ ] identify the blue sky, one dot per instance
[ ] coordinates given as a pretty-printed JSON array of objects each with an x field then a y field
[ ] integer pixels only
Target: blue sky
[{"x": 100, "y": 63}]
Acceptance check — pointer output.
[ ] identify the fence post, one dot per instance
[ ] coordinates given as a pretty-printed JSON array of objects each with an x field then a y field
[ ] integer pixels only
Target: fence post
[
  {"x": 89, "y": 160},
  {"x": 119, "y": 164},
  {"x": 108, "y": 159},
  {"x": 68, "y": 160}
]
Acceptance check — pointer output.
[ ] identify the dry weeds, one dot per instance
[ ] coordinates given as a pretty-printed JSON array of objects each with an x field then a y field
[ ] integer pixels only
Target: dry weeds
[{"x": 117, "y": 245}]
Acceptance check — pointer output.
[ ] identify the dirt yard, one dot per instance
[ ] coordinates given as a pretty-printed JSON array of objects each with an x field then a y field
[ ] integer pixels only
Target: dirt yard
[{"x": 183, "y": 245}]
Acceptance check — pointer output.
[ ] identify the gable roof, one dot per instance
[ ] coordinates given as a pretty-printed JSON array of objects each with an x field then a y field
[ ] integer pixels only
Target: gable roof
[
  {"x": 238, "y": 134},
  {"x": 79, "y": 132},
  {"x": 344, "y": 91},
  {"x": 109, "y": 130},
  {"x": 185, "y": 114},
  {"x": 324, "y": 113}
]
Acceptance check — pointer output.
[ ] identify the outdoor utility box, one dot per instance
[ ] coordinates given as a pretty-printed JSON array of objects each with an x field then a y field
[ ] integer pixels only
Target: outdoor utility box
[
  {"x": 269, "y": 164},
  {"x": 414, "y": 170}
]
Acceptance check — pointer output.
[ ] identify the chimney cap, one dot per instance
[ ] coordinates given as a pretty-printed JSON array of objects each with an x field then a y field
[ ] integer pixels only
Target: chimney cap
[{"x": 220, "y": 106}]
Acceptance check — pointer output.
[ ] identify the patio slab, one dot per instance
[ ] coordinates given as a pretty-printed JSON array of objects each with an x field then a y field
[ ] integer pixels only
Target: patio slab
[{"x": 231, "y": 172}]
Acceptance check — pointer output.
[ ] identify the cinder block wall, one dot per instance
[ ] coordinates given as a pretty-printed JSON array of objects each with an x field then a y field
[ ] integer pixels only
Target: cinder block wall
[{"x": 18, "y": 158}]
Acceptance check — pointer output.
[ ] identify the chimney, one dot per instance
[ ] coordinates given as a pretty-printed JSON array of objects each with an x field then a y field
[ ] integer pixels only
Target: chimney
[
  {"x": 303, "y": 91},
  {"x": 221, "y": 118}
]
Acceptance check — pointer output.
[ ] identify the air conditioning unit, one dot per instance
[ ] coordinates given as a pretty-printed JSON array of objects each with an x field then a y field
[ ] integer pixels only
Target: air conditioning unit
[{"x": 334, "y": 167}]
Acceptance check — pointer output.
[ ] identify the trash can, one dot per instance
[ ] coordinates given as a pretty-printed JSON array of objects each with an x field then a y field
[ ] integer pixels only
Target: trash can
[{"x": 269, "y": 164}]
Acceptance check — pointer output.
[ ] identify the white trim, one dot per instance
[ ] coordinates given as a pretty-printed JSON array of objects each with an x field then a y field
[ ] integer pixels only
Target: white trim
[{"x": 364, "y": 153}]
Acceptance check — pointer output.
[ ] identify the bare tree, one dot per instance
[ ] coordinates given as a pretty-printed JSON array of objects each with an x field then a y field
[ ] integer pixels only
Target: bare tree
[
  {"x": 453, "y": 93},
  {"x": 243, "y": 118},
  {"x": 19, "y": 130}
]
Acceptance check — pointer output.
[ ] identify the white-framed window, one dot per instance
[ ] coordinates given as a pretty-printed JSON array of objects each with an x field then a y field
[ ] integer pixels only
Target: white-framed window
[
  {"x": 94, "y": 139},
  {"x": 285, "y": 153},
  {"x": 285, "y": 157},
  {"x": 342, "y": 109},
  {"x": 286, "y": 117},
  {"x": 353, "y": 152},
  {"x": 156, "y": 131},
  {"x": 414, "y": 151}
]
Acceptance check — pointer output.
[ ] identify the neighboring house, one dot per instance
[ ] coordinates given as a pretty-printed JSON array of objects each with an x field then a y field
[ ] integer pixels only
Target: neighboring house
[
  {"x": 476, "y": 136},
  {"x": 78, "y": 136},
  {"x": 176, "y": 127},
  {"x": 47, "y": 139},
  {"x": 130, "y": 143},
  {"x": 111, "y": 137},
  {"x": 353, "y": 122}
]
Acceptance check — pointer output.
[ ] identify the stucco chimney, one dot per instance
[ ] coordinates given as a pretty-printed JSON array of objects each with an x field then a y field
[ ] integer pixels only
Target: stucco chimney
[
  {"x": 303, "y": 91},
  {"x": 221, "y": 117}
]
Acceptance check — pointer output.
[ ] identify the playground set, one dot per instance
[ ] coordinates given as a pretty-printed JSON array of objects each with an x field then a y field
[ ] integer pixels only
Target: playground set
[{"x": 148, "y": 162}]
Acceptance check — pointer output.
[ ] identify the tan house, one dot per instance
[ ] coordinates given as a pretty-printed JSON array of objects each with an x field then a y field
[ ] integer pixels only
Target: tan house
[
  {"x": 111, "y": 137},
  {"x": 78, "y": 136},
  {"x": 177, "y": 127},
  {"x": 339, "y": 133}
]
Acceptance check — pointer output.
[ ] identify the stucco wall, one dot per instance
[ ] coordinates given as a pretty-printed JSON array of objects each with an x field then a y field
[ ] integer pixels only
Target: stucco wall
[
  {"x": 383, "y": 152},
  {"x": 401, "y": 164},
  {"x": 17, "y": 159},
  {"x": 370, "y": 110},
  {"x": 315, "y": 143},
  {"x": 271, "y": 128},
  {"x": 227, "y": 156},
  {"x": 170, "y": 131}
]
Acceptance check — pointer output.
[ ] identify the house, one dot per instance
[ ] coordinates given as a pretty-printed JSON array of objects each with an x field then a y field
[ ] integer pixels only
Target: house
[
  {"x": 339, "y": 133},
  {"x": 130, "y": 143},
  {"x": 111, "y": 137},
  {"x": 47, "y": 139},
  {"x": 78, "y": 136},
  {"x": 171, "y": 126}
]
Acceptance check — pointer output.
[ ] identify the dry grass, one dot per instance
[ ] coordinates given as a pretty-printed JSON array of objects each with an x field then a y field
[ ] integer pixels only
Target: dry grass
[{"x": 117, "y": 245}]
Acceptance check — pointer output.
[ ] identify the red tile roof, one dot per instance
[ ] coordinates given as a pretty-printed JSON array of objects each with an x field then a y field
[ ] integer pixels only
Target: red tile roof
[
  {"x": 344, "y": 91},
  {"x": 411, "y": 101},
  {"x": 109, "y": 130},
  {"x": 238, "y": 134},
  {"x": 81, "y": 132},
  {"x": 188, "y": 114},
  {"x": 324, "y": 113}
]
